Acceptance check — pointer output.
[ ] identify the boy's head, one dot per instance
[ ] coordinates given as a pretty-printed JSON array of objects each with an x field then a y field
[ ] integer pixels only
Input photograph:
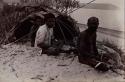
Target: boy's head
[
  {"x": 50, "y": 20},
  {"x": 93, "y": 23}
]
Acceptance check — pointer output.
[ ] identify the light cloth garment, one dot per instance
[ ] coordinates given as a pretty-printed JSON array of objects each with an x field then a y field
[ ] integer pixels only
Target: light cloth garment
[{"x": 44, "y": 35}]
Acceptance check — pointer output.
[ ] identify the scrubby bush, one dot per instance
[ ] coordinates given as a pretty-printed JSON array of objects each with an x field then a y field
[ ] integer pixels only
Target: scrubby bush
[
  {"x": 10, "y": 16},
  {"x": 113, "y": 51}
]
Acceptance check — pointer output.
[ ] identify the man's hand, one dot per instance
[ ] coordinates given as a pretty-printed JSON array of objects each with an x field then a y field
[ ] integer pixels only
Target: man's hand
[
  {"x": 43, "y": 45},
  {"x": 57, "y": 43},
  {"x": 52, "y": 51}
]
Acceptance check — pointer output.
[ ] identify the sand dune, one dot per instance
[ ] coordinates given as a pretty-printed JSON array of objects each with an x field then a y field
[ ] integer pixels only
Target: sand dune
[{"x": 21, "y": 63}]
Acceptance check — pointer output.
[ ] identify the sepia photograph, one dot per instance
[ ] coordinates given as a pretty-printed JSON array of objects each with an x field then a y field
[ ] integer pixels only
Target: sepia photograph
[{"x": 62, "y": 41}]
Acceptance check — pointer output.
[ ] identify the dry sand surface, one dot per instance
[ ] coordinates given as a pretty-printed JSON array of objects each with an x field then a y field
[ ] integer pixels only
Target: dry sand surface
[{"x": 22, "y": 63}]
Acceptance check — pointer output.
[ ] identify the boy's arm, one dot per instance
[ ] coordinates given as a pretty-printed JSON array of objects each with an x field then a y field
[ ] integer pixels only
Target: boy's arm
[{"x": 40, "y": 37}]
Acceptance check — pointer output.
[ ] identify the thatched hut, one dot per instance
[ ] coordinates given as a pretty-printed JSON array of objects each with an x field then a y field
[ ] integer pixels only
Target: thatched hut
[{"x": 65, "y": 28}]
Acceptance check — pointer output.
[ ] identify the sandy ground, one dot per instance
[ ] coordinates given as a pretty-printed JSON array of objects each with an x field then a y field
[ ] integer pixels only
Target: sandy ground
[{"x": 21, "y": 63}]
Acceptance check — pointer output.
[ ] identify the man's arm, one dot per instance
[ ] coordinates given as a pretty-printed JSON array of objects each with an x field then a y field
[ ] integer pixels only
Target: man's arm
[
  {"x": 94, "y": 45},
  {"x": 40, "y": 37}
]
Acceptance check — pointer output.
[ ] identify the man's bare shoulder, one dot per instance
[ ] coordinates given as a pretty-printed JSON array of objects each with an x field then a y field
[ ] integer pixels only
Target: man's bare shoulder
[
  {"x": 43, "y": 27},
  {"x": 83, "y": 33}
]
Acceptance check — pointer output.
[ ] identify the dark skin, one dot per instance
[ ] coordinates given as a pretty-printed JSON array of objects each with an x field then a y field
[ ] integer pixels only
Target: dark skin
[
  {"x": 87, "y": 40},
  {"x": 88, "y": 53}
]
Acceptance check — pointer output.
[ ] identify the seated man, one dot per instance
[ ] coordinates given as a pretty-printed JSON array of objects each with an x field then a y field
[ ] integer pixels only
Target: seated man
[
  {"x": 44, "y": 35},
  {"x": 88, "y": 53}
]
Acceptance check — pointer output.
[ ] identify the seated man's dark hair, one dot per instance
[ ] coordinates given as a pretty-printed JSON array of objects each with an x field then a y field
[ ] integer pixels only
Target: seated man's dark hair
[
  {"x": 93, "y": 20},
  {"x": 49, "y": 15}
]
